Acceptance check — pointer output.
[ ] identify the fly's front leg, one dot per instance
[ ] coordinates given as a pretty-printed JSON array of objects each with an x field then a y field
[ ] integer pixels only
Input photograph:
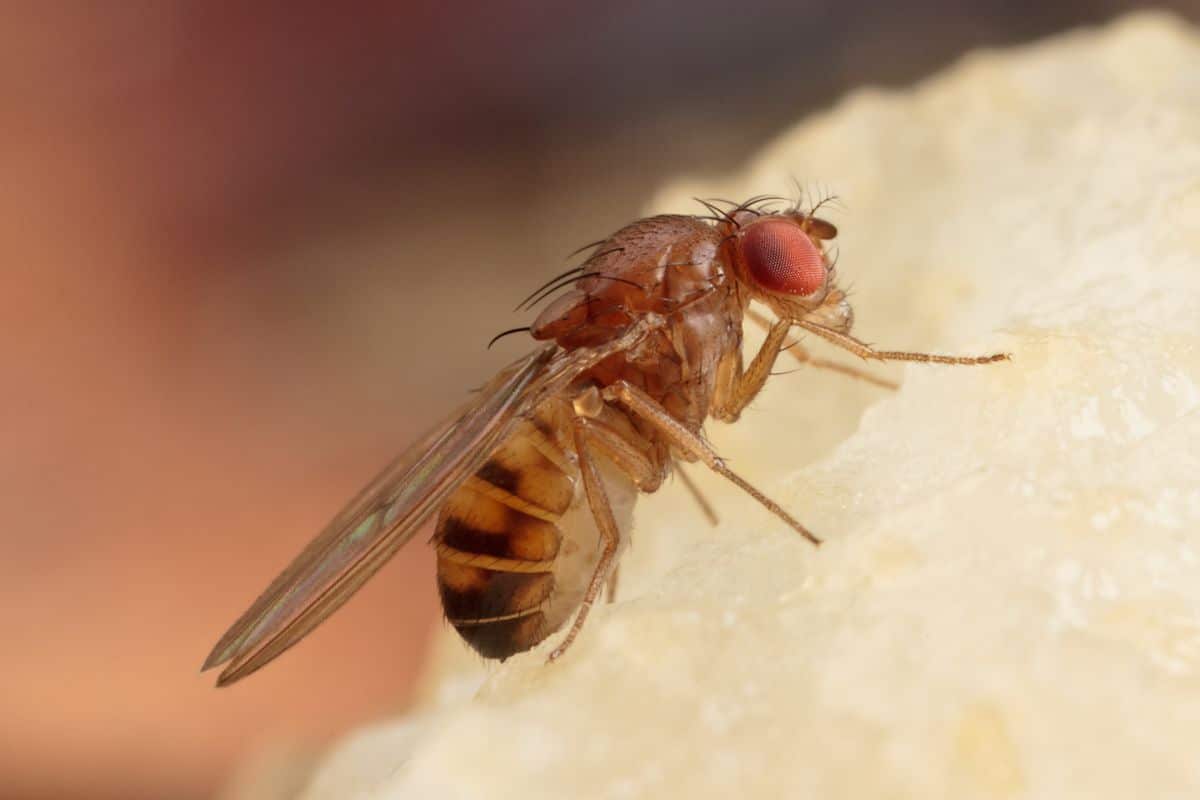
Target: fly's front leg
[
  {"x": 802, "y": 355},
  {"x": 690, "y": 443},
  {"x": 739, "y": 387},
  {"x": 866, "y": 352}
]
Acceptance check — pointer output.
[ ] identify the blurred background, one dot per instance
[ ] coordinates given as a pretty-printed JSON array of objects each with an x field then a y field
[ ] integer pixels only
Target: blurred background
[{"x": 249, "y": 250}]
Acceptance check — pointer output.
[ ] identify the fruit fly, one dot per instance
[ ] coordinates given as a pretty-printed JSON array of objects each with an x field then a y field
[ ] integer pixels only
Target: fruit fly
[{"x": 533, "y": 482}]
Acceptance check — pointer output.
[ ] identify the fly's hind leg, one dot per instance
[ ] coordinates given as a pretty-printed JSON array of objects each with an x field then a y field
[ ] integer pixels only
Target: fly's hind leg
[
  {"x": 592, "y": 435},
  {"x": 610, "y": 536},
  {"x": 693, "y": 445}
]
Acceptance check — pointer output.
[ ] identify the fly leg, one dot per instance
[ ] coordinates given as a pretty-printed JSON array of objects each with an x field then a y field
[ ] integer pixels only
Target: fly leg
[
  {"x": 866, "y": 352},
  {"x": 736, "y": 386},
  {"x": 610, "y": 536},
  {"x": 592, "y": 435},
  {"x": 691, "y": 444},
  {"x": 702, "y": 501},
  {"x": 610, "y": 588},
  {"x": 804, "y": 357}
]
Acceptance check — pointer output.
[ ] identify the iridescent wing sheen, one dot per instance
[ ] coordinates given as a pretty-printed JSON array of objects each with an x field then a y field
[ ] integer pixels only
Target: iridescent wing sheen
[{"x": 376, "y": 523}]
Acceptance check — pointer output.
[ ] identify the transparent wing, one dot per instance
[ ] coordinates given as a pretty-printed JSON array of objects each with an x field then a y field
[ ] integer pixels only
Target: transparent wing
[
  {"x": 386, "y": 514},
  {"x": 376, "y": 523}
]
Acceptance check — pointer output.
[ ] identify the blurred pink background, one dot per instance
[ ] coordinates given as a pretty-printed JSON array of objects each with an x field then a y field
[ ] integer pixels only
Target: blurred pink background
[{"x": 251, "y": 249}]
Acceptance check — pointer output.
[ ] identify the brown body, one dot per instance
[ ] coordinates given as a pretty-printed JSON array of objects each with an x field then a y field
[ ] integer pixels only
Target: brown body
[
  {"x": 536, "y": 478},
  {"x": 500, "y": 535}
]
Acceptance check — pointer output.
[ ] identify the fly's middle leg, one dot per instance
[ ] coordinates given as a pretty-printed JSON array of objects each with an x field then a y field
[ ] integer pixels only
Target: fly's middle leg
[
  {"x": 692, "y": 444},
  {"x": 610, "y": 588},
  {"x": 705, "y": 507}
]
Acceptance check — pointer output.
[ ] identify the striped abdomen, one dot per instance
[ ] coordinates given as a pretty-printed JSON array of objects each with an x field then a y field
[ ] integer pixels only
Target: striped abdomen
[{"x": 499, "y": 541}]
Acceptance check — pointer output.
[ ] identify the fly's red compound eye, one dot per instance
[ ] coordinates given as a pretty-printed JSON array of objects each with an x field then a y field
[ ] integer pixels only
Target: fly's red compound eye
[{"x": 780, "y": 257}]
